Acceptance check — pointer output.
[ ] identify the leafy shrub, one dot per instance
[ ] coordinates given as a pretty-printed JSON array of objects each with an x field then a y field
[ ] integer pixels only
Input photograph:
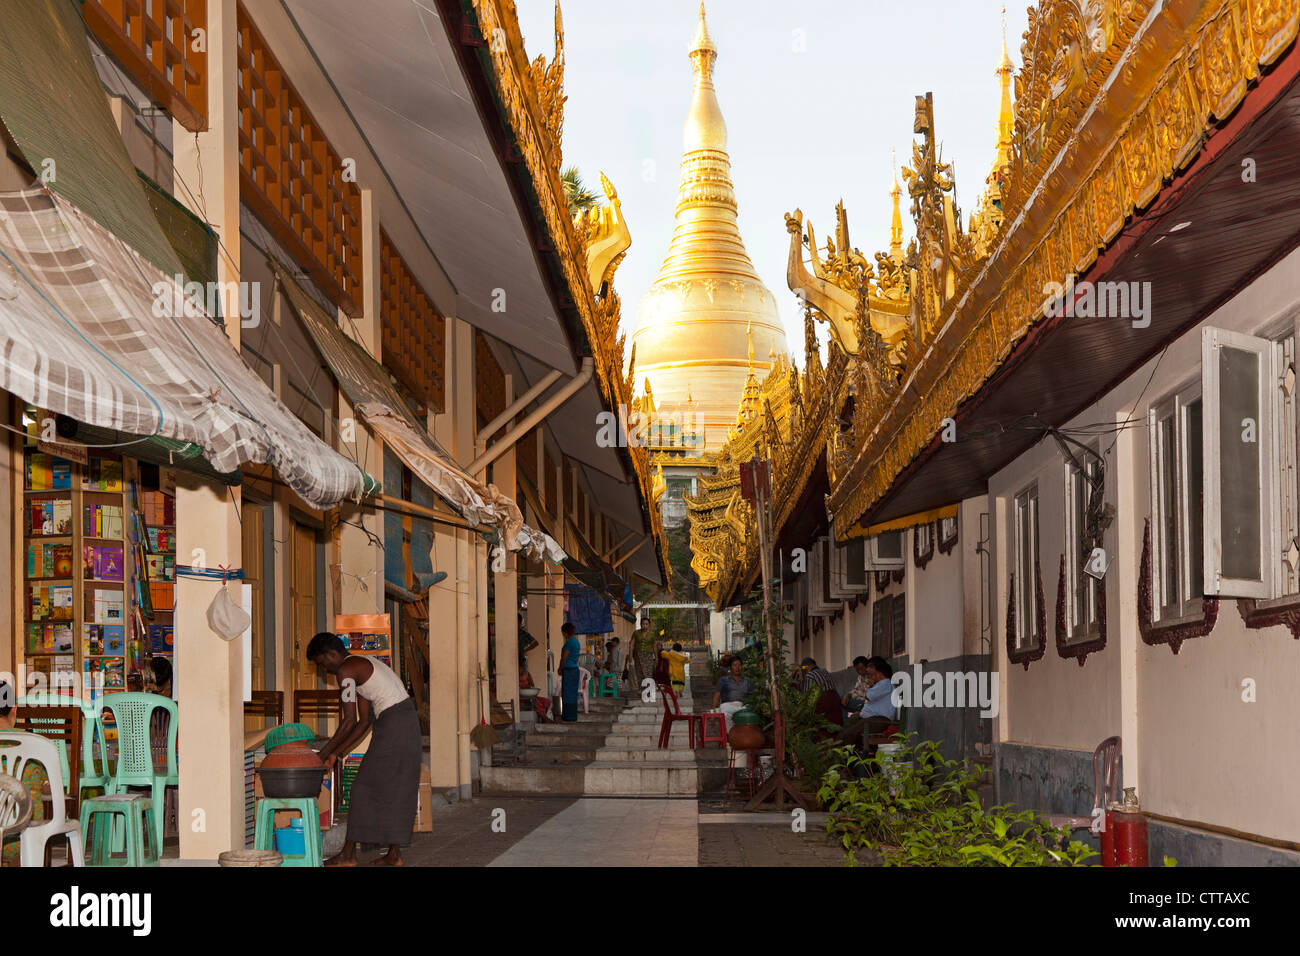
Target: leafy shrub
[{"x": 917, "y": 808}]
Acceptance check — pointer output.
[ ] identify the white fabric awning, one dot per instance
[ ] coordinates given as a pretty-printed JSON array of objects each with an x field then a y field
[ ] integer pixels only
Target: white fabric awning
[{"x": 89, "y": 330}]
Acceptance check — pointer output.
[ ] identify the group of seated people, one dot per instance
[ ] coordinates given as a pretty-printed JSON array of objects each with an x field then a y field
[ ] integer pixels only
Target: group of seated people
[{"x": 867, "y": 709}]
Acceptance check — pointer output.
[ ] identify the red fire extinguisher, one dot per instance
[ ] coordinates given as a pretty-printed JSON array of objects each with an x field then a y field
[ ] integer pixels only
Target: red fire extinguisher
[{"x": 1126, "y": 826}]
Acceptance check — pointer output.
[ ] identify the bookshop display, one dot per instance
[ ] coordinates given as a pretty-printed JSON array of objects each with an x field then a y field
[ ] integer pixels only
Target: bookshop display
[{"x": 99, "y": 579}]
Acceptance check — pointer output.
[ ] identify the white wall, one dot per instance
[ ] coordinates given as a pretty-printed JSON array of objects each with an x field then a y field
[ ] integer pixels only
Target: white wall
[{"x": 1194, "y": 748}]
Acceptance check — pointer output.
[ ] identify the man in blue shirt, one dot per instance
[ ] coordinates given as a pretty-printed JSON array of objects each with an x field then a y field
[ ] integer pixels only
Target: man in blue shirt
[
  {"x": 732, "y": 689},
  {"x": 878, "y": 709},
  {"x": 568, "y": 668}
]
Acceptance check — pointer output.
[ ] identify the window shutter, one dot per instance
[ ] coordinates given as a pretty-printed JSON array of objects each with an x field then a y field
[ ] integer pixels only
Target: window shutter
[{"x": 1237, "y": 374}]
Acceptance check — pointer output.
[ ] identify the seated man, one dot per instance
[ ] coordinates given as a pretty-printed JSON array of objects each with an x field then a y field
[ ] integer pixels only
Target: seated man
[
  {"x": 877, "y": 713},
  {"x": 733, "y": 687},
  {"x": 828, "y": 703},
  {"x": 856, "y": 697}
]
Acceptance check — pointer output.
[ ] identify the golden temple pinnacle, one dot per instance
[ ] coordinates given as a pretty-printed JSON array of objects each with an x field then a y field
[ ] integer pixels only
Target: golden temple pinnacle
[{"x": 691, "y": 332}]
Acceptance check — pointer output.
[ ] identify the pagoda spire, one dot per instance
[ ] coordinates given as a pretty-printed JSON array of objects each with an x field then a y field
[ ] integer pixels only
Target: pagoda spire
[
  {"x": 896, "y": 223},
  {"x": 1006, "y": 114}
]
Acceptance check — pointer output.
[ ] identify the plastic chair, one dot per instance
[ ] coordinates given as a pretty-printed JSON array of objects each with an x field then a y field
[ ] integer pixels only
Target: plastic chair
[
  {"x": 138, "y": 816},
  {"x": 1105, "y": 785},
  {"x": 264, "y": 829},
  {"x": 720, "y": 721},
  {"x": 17, "y": 748},
  {"x": 584, "y": 684},
  {"x": 132, "y": 712},
  {"x": 608, "y": 685},
  {"x": 673, "y": 715},
  {"x": 92, "y": 737},
  {"x": 15, "y": 806}
]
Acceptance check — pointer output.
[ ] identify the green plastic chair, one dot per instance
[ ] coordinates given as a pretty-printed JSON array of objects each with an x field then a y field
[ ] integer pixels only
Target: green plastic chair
[
  {"x": 132, "y": 713},
  {"x": 92, "y": 736}
]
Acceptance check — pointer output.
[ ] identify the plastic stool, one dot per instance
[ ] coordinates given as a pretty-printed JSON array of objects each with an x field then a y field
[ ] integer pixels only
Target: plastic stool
[
  {"x": 141, "y": 844},
  {"x": 608, "y": 685},
  {"x": 305, "y": 807},
  {"x": 720, "y": 720}
]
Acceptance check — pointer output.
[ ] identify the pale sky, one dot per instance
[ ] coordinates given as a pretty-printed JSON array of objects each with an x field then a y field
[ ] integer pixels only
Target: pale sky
[{"x": 815, "y": 93}]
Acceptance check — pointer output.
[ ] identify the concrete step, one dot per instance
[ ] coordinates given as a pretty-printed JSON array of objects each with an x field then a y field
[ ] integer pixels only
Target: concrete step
[
  {"x": 578, "y": 726},
  {"x": 562, "y": 741},
  {"x": 643, "y": 754},
  {"x": 607, "y": 778}
]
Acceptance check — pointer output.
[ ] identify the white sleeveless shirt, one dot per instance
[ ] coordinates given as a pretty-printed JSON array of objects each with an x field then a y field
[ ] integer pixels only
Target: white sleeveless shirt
[{"x": 383, "y": 689}]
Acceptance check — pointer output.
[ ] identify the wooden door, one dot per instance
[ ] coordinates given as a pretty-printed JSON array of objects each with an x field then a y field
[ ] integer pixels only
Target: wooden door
[
  {"x": 253, "y": 528},
  {"x": 302, "y": 592}
]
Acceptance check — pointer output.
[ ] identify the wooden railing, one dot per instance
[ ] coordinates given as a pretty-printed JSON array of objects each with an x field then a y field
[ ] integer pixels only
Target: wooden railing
[
  {"x": 291, "y": 177},
  {"x": 160, "y": 49}
]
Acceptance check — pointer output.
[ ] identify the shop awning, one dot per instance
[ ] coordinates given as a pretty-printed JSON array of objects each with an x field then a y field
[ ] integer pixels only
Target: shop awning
[
  {"x": 370, "y": 390},
  {"x": 90, "y": 329},
  {"x": 54, "y": 105}
]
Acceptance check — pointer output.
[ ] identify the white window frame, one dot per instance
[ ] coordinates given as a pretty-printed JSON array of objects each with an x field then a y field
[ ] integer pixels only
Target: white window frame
[
  {"x": 841, "y": 588},
  {"x": 1286, "y": 458},
  {"x": 1185, "y": 603},
  {"x": 1075, "y": 577},
  {"x": 819, "y": 604},
  {"x": 1024, "y": 517},
  {"x": 875, "y": 562},
  {"x": 1213, "y": 340}
]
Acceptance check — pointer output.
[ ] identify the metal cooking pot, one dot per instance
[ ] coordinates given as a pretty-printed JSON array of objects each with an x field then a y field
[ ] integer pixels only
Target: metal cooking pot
[{"x": 291, "y": 781}]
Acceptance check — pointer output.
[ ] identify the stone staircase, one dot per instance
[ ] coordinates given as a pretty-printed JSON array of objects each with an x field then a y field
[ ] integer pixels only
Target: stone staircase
[{"x": 613, "y": 751}]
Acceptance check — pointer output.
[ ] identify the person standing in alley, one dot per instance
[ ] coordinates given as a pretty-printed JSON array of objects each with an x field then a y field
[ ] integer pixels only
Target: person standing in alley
[
  {"x": 384, "y": 795},
  {"x": 568, "y": 668},
  {"x": 677, "y": 662}
]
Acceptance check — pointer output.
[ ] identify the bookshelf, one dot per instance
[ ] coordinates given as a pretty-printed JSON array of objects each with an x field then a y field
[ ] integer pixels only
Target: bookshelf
[
  {"x": 158, "y": 510},
  {"x": 74, "y": 597},
  {"x": 99, "y": 565}
]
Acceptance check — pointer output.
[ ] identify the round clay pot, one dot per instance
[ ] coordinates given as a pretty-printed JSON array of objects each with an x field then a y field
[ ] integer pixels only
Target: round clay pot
[
  {"x": 745, "y": 737},
  {"x": 296, "y": 755}
]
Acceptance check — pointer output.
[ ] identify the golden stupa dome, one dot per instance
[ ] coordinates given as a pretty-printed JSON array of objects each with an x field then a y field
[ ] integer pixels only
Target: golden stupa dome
[{"x": 692, "y": 336}]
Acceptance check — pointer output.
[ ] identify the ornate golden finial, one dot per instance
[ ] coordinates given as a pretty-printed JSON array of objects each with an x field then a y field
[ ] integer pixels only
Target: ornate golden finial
[
  {"x": 1006, "y": 114},
  {"x": 896, "y": 224},
  {"x": 703, "y": 52}
]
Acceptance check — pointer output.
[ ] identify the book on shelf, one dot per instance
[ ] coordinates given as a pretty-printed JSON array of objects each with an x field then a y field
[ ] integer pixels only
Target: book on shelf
[
  {"x": 103, "y": 562},
  {"x": 161, "y": 567},
  {"x": 159, "y": 509},
  {"x": 161, "y": 541},
  {"x": 161, "y": 638},
  {"x": 50, "y": 516},
  {"x": 102, "y": 521},
  {"x": 49, "y": 638},
  {"x": 102, "y": 474},
  {"x": 106, "y": 672},
  {"x": 49, "y": 602},
  {"x": 49, "y": 560},
  {"x": 104, "y": 640},
  {"x": 162, "y": 596},
  {"x": 107, "y": 606}
]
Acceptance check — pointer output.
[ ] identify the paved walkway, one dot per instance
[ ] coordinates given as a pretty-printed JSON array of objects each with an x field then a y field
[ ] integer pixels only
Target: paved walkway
[{"x": 614, "y": 831}]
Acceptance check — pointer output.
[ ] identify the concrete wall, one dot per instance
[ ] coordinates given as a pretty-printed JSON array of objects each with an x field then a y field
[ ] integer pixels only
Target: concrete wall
[{"x": 1193, "y": 747}]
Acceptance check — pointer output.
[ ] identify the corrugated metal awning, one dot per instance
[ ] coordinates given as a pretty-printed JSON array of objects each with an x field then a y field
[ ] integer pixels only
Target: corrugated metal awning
[
  {"x": 89, "y": 329},
  {"x": 368, "y": 387}
]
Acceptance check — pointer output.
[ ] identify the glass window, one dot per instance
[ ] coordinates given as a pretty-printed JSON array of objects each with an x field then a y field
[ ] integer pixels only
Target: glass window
[
  {"x": 1026, "y": 561},
  {"x": 1080, "y": 488}
]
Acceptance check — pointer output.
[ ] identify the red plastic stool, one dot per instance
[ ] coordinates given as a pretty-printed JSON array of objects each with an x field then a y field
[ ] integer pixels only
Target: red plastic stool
[
  {"x": 720, "y": 721},
  {"x": 751, "y": 775}
]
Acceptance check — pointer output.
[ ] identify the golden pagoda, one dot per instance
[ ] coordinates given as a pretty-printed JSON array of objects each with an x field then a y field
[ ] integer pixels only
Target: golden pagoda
[{"x": 692, "y": 333}]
